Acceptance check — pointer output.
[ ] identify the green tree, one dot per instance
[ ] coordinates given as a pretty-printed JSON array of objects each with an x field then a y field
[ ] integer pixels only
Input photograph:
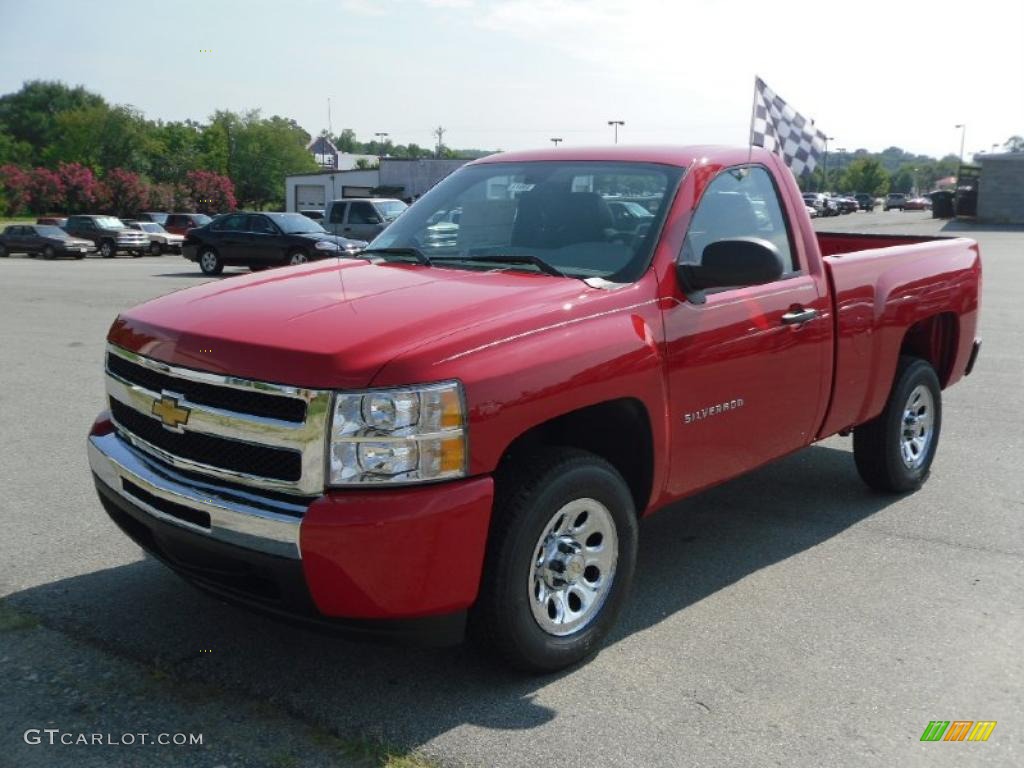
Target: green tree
[
  {"x": 1014, "y": 144},
  {"x": 866, "y": 175},
  {"x": 262, "y": 151},
  {"x": 14, "y": 151},
  {"x": 102, "y": 137},
  {"x": 30, "y": 115}
]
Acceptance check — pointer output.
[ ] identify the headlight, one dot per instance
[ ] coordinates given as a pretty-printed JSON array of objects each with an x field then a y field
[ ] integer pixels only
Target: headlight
[
  {"x": 405, "y": 435},
  {"x": 326, "y": 245}
]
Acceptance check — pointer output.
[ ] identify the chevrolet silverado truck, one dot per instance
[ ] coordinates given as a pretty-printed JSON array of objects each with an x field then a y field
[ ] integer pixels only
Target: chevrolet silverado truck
[
  {"x": 108, "y": 233},
  {"x": 411, "y": 444}
]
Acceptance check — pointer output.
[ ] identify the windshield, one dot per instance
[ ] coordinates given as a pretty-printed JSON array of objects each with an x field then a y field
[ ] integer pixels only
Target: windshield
[
  {"x": 109, "y": 222},
  {"x": 51, "y": 231},
  {"x": 390, "y": 209},
  {"x": 297, "y": 224},
  {"x": 554, "y": 211}
]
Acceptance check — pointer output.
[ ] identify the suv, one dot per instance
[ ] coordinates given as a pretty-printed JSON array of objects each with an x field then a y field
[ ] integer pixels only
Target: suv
[
  {"x": 108, "y": 233},
  {"x": 260, "y": 240},
  {"x": 362, "y": 218},
  {"x": 895, "y": 200},
  {"x": 180, "y": 223}
]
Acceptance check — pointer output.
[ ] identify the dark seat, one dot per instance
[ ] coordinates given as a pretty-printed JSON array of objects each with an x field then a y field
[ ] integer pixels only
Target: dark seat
[{"x": 556, "y": 218}]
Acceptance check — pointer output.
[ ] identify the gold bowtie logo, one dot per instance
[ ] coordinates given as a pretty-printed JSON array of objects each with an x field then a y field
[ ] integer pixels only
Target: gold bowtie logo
[{"x": 169, "y": 412}]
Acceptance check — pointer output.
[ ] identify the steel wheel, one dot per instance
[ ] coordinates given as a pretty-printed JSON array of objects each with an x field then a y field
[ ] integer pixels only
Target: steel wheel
[
  {"x": 918, "y": 418},
  {"x": 574, "y": 567},
  {"x": 107, "y": 249}
]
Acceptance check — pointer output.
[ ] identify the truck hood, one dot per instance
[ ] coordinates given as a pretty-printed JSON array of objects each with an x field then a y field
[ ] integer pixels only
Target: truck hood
[{"x": 331, "y": 324}]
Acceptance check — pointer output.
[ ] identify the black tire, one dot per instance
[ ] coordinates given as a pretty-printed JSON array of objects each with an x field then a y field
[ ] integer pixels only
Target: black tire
[
  {"x": 878, "y": 444},
  {"x": 210, "y": 262},
  {"x": 3, "y": 251},
  {"x": 297, "y": 257},
  {"x": 49, "y": 253},
  {"x": 107, "y": 249},
  {"x": 155, "y": 249},
  {"x": 528, "y": 496}
]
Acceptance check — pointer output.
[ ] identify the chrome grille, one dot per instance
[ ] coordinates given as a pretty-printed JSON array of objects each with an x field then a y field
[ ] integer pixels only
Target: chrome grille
[{"x": 256, "y": 434}]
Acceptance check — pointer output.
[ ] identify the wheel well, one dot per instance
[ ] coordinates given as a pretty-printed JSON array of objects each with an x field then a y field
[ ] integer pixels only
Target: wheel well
[
  {"x": 934, "y": 339},
  {"x": 618, "y": 431}
]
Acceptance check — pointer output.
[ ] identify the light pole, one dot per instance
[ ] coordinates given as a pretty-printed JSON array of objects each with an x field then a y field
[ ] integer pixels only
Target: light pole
[
  {"x": 960, "y": 166},
  {"x": 963, "y": 135},
  {"x": 616, "y": 124},
  {"x": 824, "y": 164},
  {"x": 381, "y": 135},
  {"x": 555, "y": 141}
]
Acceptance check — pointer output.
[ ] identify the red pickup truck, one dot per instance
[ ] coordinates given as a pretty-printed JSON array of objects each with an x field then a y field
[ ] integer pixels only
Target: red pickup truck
[{"x": 460, "y": 430}]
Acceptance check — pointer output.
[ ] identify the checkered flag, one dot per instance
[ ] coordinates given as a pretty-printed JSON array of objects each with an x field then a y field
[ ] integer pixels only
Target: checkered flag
[{"x": 778, "y": 127}]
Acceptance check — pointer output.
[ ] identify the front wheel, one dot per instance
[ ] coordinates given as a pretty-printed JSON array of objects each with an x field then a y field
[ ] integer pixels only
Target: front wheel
[
  {"x": 107, "y": 249},
  {"x": 155, "y": 249},
  {"x": 297, "y": 257},
  {"x": 3, "y": 251},
  {"x": 894, "y": 451},
  {"x": 49, "y": 253},
  {"x": 210, "y": 262},
  {"x": 560, "y": 560}
]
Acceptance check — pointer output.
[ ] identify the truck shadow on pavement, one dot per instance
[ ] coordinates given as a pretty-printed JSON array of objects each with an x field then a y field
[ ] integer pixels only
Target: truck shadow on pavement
[{"x": 408, "y": 696}]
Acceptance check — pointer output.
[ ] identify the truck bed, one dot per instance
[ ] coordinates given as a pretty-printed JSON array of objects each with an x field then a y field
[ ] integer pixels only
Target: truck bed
[{"x": 884, "y": 285}]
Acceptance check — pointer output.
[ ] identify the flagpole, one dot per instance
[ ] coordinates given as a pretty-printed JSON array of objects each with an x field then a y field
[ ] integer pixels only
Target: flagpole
[{"x": 753, "y": 112}]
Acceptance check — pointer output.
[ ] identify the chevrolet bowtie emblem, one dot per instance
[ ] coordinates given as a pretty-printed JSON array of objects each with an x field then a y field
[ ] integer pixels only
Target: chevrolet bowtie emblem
[{"x": 169, "y": 412}]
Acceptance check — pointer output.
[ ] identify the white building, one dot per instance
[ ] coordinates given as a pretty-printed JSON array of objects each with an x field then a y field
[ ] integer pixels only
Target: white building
[{"x": 404, "y": 179}]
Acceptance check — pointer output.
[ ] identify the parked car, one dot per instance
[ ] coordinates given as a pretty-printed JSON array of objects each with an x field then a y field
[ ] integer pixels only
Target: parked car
[
  {"x": 846, "y": 203},
  {"x": 57, "y": 221},
  {"x": 865, "y": 201},
  {"x": 895, "y": 200},
  {"x": 313, "y": 214},
  {"x": 108, "y": 233},
  {"x": 180, "y": 223},
  {"x": 822, "y": 202},
  {"x": 157, "y": 217},
  {"x": 361, "y": 218},
  {"x": 628, "y": 216},
  {"x": 402, "y": 443},
  {"x": 260, "y": 240},
  {"x": 44, "y": 239},
  {"x": 160, "y": 240},
  {"x": 811, "y": 211},
  {"x": 917, "y": 204}
]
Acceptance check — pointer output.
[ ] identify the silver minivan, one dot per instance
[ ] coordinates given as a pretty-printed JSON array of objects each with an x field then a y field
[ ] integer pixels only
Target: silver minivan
[{"x": 361, "y": 218}]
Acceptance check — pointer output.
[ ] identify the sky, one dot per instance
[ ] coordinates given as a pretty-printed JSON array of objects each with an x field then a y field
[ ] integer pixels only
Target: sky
[{"x": 512, "y": 74}]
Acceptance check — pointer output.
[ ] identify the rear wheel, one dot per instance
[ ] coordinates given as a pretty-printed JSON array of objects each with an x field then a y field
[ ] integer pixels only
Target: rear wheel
[
  {"x": 209, "y": 262},
  {"x": 49, "y": 253},
  {"x": 107, "y": 249},
  {"x": 560, "y": 560},
  {"x": 3, "y": 251},
  {"x": 894, "y": 451}
]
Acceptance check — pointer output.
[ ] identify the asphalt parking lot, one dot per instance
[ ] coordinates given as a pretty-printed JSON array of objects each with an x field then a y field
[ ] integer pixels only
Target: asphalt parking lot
[{"x": 788, "y": 618}]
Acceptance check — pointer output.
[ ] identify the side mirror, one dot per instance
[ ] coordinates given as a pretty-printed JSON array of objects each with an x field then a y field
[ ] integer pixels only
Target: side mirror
[
  {"x": 373, "y": 219},
  {"x": 737, "y": 262}
]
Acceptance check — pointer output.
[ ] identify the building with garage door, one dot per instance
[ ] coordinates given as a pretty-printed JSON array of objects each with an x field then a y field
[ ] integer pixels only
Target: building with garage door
[
  {"x": 1001, "y": 189},
  {"x": 396, "y": 177}
]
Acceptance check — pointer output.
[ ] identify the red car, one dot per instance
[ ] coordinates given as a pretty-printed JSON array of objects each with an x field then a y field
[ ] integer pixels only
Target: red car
[
  {"x": 180, "y": 223},
  {"x": 420, "y": 436},
  {"x": 917, "y": 204}
]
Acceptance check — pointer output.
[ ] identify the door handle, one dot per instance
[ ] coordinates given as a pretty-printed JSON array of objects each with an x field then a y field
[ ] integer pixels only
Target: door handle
[{"x": 799, "y": 316}]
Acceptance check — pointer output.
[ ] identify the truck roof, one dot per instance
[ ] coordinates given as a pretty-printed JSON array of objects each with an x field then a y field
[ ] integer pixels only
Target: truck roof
[{"x": 682, "y": 156}]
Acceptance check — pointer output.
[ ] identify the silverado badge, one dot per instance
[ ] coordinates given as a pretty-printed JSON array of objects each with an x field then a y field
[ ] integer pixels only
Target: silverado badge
[{"x": 169, "y": 412}]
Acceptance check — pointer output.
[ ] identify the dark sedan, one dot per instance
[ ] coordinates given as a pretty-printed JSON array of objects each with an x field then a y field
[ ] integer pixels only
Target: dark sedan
[
  {"x": 45, "y": 239},
  {"x": 261, "y": 240}
]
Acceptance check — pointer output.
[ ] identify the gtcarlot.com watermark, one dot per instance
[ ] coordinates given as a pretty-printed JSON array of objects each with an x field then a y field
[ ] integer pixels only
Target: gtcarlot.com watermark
[{"x": 56, "y": 737}]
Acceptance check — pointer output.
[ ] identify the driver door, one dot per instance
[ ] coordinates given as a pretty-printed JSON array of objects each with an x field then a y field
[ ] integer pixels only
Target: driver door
[{"x": 747, "y": 383}]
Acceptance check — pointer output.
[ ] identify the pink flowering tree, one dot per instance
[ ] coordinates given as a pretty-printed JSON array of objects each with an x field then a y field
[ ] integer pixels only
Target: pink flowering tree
[
  {"x": 211, "y": 192},
  {"x": 80, "y": 187},
  {"x": 128, "y": 192},
  {"x": 14, "y": 183},
  {"x": 45, "y": 191},
  {"x": 161, "y": 198}
]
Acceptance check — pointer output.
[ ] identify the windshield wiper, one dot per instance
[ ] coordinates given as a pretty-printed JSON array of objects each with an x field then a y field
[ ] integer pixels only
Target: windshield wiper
[
  {"x": 510, "y": 258},
  {"x": 416, "y": 253}
]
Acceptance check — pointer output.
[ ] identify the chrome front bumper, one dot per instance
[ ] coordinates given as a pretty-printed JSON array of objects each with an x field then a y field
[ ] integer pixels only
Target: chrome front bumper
[{"x": 238, "y": 517}]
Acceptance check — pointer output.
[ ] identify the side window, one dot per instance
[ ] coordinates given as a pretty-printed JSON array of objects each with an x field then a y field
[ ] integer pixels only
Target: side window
[
  {"x": 338, "y": 213},
  {"x": 261, "y": 225},
  {"x": 234, "y": 223},
  {"x": 362, "y": 213},
  {"x": 739, "y": 202}
]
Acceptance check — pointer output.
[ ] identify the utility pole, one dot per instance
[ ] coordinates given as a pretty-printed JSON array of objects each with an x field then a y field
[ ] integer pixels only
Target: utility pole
[
  {"x": 959, "y": 167},
  {"x": 616, "y": 124},
  {"x": 824, "y": 164},
  {"x": 439, "y": 132},
  {"x": 330, "y": 137},
  {"x": 555, "y": 141}
]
